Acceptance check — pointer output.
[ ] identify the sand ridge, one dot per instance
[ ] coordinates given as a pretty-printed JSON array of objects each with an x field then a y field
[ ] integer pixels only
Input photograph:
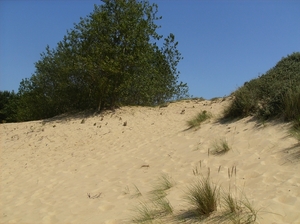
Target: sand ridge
[{"x": 86, "y": 169}]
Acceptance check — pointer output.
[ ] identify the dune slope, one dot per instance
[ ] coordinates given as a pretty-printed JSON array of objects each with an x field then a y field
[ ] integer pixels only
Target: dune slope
[{"x": 96, "y": 169}]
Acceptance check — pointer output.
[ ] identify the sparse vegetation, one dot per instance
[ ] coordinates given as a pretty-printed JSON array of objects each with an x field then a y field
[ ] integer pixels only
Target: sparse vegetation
[
  {"x": 199, "y": 118},
  {"x": 220, "y": 147},
  {"x": 204, "y": 197}
]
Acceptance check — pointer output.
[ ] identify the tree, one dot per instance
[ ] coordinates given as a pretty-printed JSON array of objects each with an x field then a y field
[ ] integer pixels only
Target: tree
[
  {"x": 8, "y": 106},
  {"x": 110, "y": 58}
]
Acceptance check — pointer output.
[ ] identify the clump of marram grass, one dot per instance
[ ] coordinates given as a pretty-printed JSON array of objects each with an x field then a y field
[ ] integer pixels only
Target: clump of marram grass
[
  {"x": 158, "y": 194},
  {"x": 158, "y": 205},
  {"x": 220, "y": 147},
  {"x": 145, "y": 214},
  {"x": 203, "y": 195},
  {"x": 165, "y": 182},
  {"x": 199, "y": 118},
  {"x": 163, "y": 207},
  {"x": 237, "y": 211},
  {"x": 153, "y": 210}
]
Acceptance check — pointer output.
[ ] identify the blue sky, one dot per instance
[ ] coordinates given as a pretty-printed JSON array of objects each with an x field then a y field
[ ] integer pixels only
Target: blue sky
[{"x": 224, "y": 42}]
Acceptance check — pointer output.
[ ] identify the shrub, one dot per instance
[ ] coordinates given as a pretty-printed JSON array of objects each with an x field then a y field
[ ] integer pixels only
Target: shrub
[{"x": 273, "y": 94}]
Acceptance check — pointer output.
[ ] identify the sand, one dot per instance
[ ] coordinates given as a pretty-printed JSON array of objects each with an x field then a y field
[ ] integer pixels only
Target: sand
[{"x": 96, "y": 169}]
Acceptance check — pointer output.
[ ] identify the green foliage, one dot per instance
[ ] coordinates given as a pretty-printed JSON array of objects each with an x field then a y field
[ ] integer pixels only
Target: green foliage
[
  {"x": 276, "y": 93},
  {"x": 198, "y": 119},
  {"x": 110, "y": 58},
  {"x": 8, "y": 106}
]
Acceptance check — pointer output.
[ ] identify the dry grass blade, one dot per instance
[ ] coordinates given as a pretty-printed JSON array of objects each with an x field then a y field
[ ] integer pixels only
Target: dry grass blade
[{"x": 137, "y": 192}]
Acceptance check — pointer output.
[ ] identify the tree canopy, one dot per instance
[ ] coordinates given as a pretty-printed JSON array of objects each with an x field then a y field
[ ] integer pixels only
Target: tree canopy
[{"x": 111, "y": 57}]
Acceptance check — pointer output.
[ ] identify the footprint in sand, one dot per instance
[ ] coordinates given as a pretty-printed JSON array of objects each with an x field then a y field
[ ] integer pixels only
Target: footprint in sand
[
  {"x": 105, "y": 208},
  {"x": 286, "y": 199}
]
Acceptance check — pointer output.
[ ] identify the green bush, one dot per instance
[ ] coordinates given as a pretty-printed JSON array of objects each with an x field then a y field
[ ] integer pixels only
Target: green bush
[{"x": 274, "y": 94}]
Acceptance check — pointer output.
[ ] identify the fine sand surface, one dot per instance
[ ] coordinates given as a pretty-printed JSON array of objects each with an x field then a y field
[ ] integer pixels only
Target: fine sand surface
[{"x": 88, "y": 169}]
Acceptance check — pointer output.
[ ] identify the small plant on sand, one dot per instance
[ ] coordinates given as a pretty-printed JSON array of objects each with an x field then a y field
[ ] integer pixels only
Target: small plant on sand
[
  {"x": 144, "y": 213},
  {"x": 220, "y": 147},
  {"x": 238, "y": 211},
  {"x": 199, "y": 118},
  {"x": 152, "y": 211},
  {"x": 157, "y": 205},
  {"x": 203, "y": 195},
  {"x": 163, "y": 207},
  {"x": 165, "y": 182},
  {"x": 230, "y": 203},
  {"x": 158, "y": 195}
]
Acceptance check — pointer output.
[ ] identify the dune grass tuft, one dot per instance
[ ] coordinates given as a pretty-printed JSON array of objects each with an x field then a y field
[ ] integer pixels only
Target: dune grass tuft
[
  {"x": 238, "y": 211},
  {"x": 144, "y": 213},
  {"x": 199, "y": 118},
  {"x": 166, "y": 182},
  {"x": 203, "y": 195},
  {"x": 220, "y": 147},
  {"x": 163, "y": 207},
  {"x": 157, "y": 205}
]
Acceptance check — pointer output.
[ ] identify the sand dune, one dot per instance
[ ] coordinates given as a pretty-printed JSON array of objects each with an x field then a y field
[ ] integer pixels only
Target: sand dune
[{"x": 88, "y": 169}]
